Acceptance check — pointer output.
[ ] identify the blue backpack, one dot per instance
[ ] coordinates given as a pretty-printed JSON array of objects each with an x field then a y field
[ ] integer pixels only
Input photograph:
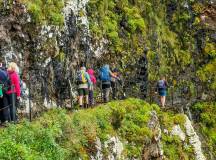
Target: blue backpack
[
  {"x": 161, "y": 84},
  {"x": 104, "y": 74}
]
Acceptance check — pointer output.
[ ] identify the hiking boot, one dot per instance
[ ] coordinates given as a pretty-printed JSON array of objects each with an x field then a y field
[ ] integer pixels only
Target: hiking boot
[{"x": 5, "y": 124}]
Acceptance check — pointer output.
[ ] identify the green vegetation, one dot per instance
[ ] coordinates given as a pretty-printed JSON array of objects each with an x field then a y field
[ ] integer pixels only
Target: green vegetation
[
  {"x": 46, "y": 11},
  {"x": 168, "y": 30},
  {"x": 173, "y": 146},
  {"x": 207, "y": 123},
  {"x": 57, "y": 135},
  {"x": 60, "y": 135}
]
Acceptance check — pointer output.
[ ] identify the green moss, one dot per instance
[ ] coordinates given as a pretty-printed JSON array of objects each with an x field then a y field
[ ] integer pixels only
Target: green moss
[
  {"x": 207, "y": 73},
  {"x": 46, "y": 12},
  {"x": 207, "y": 122},
  {"x": 168, "y": 120},
  {"x": 58, "y": 135}
]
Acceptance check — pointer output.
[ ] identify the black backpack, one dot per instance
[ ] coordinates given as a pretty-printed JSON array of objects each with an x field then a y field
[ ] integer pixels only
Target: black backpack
[{"x": 6, "y": 83}]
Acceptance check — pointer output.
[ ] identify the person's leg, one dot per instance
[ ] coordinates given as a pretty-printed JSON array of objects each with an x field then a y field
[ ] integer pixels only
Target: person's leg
[
  {"x": 12, "y": 103},
  {"x": 115, "y": 91},
  {"x": 104, "y": 92},
  {"x": 113, "y": 85},
  {"x": 81, "y": 101},
  {"x": 1, "y": 110},
  {"x": 80, "y": 92},
  {"x": 91, "y": 97},
  {"x": 162, "y": 101},
  {"x": 107, "y": 92},
  {"x": 6, "y": 111},
  {"x": 86, "y": 97}
]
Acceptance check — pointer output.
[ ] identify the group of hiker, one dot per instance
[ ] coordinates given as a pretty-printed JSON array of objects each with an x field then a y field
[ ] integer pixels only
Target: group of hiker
[
  {"x": 86, "y": 81},
  {"x": 10, "y": 88},
  {"x": 9, "y": 92}
]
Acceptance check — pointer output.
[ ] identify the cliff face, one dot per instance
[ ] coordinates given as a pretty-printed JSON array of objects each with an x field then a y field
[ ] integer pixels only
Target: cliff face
[
  {"x": 179, "y": 36},
  {"x": 48, "y": 39},
  {"x": 172, "y": 38}
]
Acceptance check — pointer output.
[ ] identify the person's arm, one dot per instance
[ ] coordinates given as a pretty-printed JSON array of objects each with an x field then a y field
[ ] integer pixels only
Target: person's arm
[
  {"x": 166, "y": 84},
  {"x": 112, "y": 74},
  {"x": 17, "y": 85},
  {"x": 88, "y": 79},
  {"x": 94, "y": 81}
]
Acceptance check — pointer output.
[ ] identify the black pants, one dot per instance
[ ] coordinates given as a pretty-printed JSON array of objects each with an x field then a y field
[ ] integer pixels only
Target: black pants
[
  {"x": 2, "y": 117},
  {"x": 91, "y": 97},
  {"x": 114, "y": 89},
  {"x": 8, "y": 101},
  {"x": 106, "y": 90}
]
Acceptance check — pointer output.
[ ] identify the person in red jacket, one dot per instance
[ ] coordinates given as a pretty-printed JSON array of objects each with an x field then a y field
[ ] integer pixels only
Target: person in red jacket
[
  {"x": 13, "y": 93},
  {"x": 91, "y": 90}
]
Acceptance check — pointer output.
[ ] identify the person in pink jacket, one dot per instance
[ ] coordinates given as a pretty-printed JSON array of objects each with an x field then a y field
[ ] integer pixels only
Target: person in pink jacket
[
  {"x": 91, "y": 90},
  {"x": 13, "y": 90}
]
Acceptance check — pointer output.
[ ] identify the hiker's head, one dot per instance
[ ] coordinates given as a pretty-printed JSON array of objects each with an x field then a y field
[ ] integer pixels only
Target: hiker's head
[
  {"x": 83, "y": 68},
  {"x": 162, "y": 77},
  {"x": 106, "y": 66},
  {"x": 13, "y": 67},
  {"x": 115, "y": 70}
]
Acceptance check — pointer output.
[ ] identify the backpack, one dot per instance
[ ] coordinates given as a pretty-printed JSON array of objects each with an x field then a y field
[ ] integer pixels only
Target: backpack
[
  {"x": 81, "y": 78},
  {"x": 5, "y": 82},
  {"x": 161, "y": 84},
  {"x": 104, "y": 74}
]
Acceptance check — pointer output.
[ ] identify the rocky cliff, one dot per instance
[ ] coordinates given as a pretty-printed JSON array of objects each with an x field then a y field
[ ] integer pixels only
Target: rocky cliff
[{"x": 145, "y": 39}]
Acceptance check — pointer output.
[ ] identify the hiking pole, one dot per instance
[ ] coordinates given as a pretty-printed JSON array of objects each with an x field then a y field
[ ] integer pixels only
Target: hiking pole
[
  {"x": 101, "y": 91},
  {"x": 71, "y": 92},
  {"x": 13, "y": 105},
  {"x": 30, "y": 109},
  {"x": 172, "y": 94}
]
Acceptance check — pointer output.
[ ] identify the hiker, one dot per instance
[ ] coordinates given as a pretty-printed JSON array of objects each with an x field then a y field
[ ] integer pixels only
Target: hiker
[
  {"x": 94, "y": 81},
  {"x": 13, "y": 93},
  {"x": 162, "y": 90},
  {"x": 4, "y": 111},
  {"x": 114, "y": 83},
  {"x": 105, "y": 78},
  {"x": 84, "y": 84}
]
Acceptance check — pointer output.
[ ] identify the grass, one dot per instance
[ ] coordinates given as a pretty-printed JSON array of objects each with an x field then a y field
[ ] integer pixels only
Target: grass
[{"x": 59, "y": 134}]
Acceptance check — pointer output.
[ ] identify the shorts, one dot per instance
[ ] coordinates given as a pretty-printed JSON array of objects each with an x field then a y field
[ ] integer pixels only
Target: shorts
[
  {"x": 106, "y": 85},
  {"x": 83, "y": 91},
  {"x": 162, "y": 92}
]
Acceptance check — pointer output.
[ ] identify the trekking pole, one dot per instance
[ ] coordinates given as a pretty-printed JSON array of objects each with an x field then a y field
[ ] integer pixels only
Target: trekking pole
[
  {"x": 172, "y": 95},
  {"x": 150, "y": 94},
  {"x": 70, "y": 90},
  {"x": 30, "y": 109},
  {"x": 13, "y": 104},
  {"x": 101, "y": 91}
]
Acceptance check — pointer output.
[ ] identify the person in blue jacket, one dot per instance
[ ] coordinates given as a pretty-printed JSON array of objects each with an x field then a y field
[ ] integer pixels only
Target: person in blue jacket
[{"x": 4, "y": 112}]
